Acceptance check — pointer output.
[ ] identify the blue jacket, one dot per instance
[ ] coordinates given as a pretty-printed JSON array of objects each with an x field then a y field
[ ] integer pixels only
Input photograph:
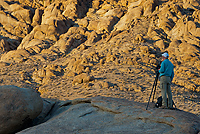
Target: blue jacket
[{"x": 167, "y": 69}]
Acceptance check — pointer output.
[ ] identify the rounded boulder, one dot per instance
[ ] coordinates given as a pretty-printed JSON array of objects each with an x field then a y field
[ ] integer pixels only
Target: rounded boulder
[{"x": 18, "y": 107}]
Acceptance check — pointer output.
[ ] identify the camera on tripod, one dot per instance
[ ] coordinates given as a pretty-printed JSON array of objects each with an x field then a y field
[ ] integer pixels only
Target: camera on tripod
[
  {"x": 158, "y": 66},
  {"x": 154, "y": 85}
]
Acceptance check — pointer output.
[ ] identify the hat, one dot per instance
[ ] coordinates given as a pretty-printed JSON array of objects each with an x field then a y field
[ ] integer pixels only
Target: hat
[{"x": 166, "y": 55}]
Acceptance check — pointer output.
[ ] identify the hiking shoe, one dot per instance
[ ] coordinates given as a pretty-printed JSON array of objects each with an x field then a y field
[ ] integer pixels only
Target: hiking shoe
[
  {"x": 163, "y": 107},
  {"x": 172, "y": 108}
]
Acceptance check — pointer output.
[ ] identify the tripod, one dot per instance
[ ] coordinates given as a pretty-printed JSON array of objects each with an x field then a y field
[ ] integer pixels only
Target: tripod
[{"x": 154, "y": 86}]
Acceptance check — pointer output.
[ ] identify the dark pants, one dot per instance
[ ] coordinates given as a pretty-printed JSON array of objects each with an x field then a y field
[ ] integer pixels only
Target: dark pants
[{"x": 165, "y": 85}]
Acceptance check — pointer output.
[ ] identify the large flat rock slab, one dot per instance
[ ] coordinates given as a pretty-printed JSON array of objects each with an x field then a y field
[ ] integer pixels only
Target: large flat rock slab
[{"x": 111, "y": 115}]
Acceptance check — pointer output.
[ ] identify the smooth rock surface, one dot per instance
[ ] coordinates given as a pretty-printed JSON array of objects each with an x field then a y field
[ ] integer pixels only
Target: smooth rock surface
[{"x": 111, "y": 115}]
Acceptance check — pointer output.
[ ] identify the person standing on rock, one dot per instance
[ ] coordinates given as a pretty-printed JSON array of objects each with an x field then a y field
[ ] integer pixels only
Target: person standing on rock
[{"x": 166, "y": 76}]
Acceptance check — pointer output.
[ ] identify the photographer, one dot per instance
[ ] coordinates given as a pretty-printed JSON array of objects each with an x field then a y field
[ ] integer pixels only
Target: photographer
[{"x": 166, "y": 75}]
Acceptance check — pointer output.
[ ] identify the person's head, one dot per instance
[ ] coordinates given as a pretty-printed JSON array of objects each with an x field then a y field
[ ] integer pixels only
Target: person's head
[{"x": 165, "y": 56}]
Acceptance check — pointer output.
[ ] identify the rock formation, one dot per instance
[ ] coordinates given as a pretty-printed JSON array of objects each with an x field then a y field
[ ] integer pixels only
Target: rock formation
[
  {"x": 18, "y": 107},
  {"x": 111, "y": 115}
]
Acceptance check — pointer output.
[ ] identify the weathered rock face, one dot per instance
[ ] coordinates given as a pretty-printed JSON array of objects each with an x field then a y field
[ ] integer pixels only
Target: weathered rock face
[
  {"x": 15, "y": 55},
  {"x": 110, "y": 115},
  {"x": 76, "y": 8},
  {"x": 4, "y": 45},
  {"x": 18, "y": 106},
  {"x": 15, "y": 27},
  {"x": 53, "y": 16}
]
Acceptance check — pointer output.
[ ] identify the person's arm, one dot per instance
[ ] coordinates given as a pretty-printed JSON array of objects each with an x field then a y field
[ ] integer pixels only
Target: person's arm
[{"x": 162, "y": 68}]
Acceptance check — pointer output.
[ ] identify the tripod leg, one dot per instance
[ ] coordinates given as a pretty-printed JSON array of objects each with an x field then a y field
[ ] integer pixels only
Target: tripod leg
[
  {"x": 173, "y": 103},
  {"x": 151, "y": 91},
  {"x": 154, "y": 90},
  {"x": 149, "y": 98},
  {"x": 157, "y": 74}
]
